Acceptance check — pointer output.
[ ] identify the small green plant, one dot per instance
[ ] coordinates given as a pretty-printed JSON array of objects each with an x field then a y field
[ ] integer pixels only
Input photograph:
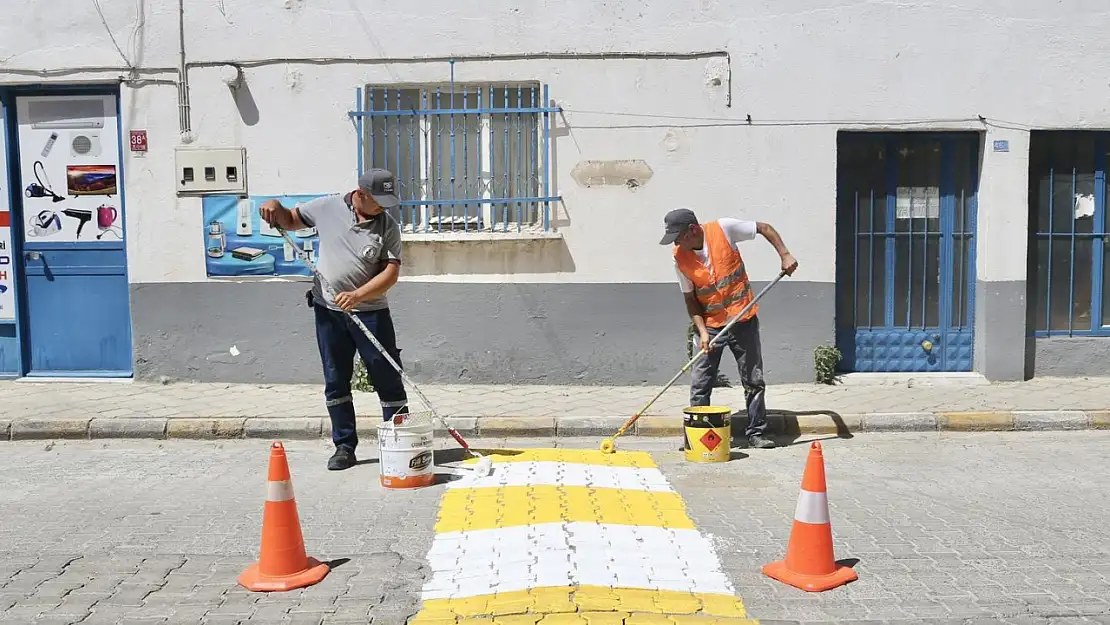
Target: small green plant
[
  {"x": 825, "y": 360},
  {"x": 361, "y": 381}
]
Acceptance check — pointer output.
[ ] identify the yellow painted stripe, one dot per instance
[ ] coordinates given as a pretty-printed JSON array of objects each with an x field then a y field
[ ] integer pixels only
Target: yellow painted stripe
[
  {"x": 638, "y": 459},
  {"x": 621, "y": 603},
  {"x": 469, "y": 509}
]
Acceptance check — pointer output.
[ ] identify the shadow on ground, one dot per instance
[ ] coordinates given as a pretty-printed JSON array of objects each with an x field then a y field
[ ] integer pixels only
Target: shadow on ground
[{"x": 785, "y": 429}]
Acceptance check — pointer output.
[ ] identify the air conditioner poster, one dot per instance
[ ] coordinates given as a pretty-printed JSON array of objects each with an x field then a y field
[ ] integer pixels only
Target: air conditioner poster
[
  {"x": 69, "y": 169},
  {"x": 238, "y": 243}
]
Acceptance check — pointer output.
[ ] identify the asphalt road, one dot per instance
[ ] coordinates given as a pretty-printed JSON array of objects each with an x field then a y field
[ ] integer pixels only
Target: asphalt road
[{"x": 946, "y": 528}]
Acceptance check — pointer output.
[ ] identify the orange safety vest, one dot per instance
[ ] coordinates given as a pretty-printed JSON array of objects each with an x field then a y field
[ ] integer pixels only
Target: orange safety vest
[{"x": 723, "y": 291}]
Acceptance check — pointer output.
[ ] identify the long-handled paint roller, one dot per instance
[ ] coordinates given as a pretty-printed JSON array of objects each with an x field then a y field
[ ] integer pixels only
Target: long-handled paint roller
[
  {"x": 485, "y": 464},
  {"x": 609, "y": 445}
]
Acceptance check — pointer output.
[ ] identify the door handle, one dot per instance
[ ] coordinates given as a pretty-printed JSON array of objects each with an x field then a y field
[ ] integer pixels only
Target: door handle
[{"x": 32, "y": 255}]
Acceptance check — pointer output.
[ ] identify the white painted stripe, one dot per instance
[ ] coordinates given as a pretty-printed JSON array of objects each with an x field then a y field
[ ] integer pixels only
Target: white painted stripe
[
  {"x": 569, "y": 474},
  {"x": 481, "y": 562},
  {"x": 279, "y": 491},
  {"x": 812, "y": 507}
]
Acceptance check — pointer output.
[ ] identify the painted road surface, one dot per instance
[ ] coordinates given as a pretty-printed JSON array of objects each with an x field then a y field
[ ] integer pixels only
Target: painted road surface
[
  {"x": 559, "y": 536},
  {"x": 947, "y": 528}
]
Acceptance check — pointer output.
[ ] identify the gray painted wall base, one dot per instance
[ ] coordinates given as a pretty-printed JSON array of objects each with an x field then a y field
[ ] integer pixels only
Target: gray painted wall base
[
  {"x": 1000, "y": 330},
  {"x": 1068, "y": 356},
  {"x": 587, "y": 334}
]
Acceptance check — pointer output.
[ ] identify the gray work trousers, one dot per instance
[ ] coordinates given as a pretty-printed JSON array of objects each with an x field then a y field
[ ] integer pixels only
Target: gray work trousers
[{"x": 743, "y": 340}]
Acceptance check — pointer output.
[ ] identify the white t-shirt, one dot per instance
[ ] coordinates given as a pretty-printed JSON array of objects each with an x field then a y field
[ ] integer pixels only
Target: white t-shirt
[{"x": 737, "y": 231}]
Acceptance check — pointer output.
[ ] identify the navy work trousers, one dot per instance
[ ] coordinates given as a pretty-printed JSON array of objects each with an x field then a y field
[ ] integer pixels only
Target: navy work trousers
[{"x": 339, "y": 340}]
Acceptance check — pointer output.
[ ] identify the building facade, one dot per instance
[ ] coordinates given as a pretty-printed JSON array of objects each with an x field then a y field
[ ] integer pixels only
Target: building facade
[{"x": 939, "y": 173}]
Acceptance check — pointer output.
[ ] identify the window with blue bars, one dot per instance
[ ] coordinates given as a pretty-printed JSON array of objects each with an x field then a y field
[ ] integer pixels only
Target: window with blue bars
[
  {"x": 1070, "y": 280},
  {"x": 467, "y": 157}
]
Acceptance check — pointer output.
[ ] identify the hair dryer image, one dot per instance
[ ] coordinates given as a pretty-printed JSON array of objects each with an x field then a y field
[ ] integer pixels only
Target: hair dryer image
[{"x": 81, "y": 215}]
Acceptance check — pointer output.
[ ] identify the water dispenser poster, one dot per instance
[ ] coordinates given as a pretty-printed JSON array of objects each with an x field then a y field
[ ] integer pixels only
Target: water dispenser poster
[{"x": 237, "y": 243}]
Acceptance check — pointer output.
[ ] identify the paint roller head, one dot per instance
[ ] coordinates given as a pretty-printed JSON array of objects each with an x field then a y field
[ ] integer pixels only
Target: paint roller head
[
  {"x": 608, "y": 446},
  {"x": 483, "y": 468}
]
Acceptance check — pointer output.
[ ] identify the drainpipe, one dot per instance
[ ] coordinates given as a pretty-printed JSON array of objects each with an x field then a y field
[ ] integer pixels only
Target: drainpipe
[{"x": 185, "y": 124}]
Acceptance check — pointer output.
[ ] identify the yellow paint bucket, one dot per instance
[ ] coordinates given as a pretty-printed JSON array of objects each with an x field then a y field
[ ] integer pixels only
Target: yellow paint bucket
[{"x": 708, "y": 433}]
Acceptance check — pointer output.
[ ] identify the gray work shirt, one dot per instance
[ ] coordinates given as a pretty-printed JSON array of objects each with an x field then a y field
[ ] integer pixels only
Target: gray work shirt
[{"x": 351, "y": 252}]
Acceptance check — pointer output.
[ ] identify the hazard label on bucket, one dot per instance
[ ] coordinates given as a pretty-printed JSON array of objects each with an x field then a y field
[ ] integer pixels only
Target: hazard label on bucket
[{"x": 710, "y": 439}]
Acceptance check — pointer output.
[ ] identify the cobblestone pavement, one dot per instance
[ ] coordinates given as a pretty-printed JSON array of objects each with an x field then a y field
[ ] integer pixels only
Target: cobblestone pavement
[
  {"x": 58, "y": 400},
  {"x": 948, "y": 528}
]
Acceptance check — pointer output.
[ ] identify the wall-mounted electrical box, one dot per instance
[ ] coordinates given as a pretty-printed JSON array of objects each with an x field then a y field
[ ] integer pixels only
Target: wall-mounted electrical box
[{"x": 211, "y": 171}]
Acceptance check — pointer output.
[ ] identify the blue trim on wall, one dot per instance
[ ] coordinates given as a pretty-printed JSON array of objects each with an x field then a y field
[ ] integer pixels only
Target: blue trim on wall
[{"x": 11, "y": 335}]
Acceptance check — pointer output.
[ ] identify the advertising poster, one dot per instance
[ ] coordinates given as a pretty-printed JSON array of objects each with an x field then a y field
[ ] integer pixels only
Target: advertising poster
[
  {"x": 7, "y": 267},
  {"x": 69, "y": 162},
  {"x": 238, "y": 243}
]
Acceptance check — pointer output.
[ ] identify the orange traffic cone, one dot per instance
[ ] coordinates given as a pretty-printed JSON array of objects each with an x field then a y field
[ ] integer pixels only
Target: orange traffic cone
[
  {"x": 809, "y": 563},
  {"x": 282, "y": 564}
]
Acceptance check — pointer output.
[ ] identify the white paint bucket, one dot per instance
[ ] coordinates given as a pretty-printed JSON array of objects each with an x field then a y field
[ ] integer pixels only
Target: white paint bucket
[{"x": 406, "y": 458}]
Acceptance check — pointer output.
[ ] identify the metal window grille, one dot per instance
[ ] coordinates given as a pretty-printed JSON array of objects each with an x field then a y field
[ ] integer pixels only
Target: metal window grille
[
  {"x": 1068, "y": 247},
  {"x": 466, "y": 157}
]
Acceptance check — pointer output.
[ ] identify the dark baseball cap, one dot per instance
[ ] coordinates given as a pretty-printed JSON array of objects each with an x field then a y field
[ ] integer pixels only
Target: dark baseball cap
[
  {"x": 379, "y": 183},
  {"x": 676, "y": 222}
]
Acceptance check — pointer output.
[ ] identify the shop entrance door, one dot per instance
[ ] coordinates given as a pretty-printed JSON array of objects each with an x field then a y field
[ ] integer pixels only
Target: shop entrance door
[{"x": 77, "y": 320}]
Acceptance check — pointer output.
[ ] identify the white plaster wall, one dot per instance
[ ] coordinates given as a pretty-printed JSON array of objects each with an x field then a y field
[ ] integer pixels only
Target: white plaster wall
[{"x": 801, "y": 69}]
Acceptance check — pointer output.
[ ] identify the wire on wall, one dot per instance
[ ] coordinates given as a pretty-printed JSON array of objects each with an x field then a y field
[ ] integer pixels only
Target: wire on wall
[{"x": 485, "y": 58}]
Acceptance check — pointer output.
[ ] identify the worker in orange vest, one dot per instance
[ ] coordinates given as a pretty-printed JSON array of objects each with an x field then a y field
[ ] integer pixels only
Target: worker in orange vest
[{"x": 714, "y": 282}]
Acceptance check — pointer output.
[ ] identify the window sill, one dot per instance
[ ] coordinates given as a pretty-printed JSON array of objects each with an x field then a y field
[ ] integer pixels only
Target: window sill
[{"x": 478, "y": 237}]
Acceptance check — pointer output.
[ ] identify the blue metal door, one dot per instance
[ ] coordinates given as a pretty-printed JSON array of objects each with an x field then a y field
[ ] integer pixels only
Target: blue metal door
[
  {"x": 906, "y": 250},
  {"x": 77, "y": 317}
]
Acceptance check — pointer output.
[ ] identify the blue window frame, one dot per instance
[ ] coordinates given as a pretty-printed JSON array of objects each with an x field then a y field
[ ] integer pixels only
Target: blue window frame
[
  {"x": 1067, "y": 220},
  {"x": 467, "y": 157}
]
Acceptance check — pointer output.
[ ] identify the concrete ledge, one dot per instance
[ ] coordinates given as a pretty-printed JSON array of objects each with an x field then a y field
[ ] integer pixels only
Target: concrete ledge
[
  {"x": 899, "y": 422},
  {"x": 43, "y": 429},
  {"x": 1051, "y": 420},
  {"x": 1100, "y": 420},
  {"x": 205, "y": 428},
  {"x": 658, "y": 426},
  {"x": 780, "y": 423},
  {"x": 588, "y": 426},
  {"x": 288, "y": 428},
  {"x": 977, "y": 421},
  {"x": 500, "y": 427},
  {"x": 127, "y": 428},
  {"x": 465, "y": 426},
  {"x": 829, "y": 423}
]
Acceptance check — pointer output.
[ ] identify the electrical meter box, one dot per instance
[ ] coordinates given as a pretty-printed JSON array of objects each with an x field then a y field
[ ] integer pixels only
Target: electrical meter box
[{"x": 211, "y": 171}]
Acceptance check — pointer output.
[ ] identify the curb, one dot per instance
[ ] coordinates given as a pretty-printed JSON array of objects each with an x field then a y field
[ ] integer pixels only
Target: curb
[{"x": 780, "y": 423}]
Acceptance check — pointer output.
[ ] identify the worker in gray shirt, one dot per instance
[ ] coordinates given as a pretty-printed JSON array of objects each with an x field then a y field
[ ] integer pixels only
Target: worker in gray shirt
[{"x": 360, "y": 255}]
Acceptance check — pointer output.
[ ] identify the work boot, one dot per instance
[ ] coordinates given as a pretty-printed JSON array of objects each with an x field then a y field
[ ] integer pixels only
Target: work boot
[
  {"x": 343, "y": 458},
  {"x": 759, "y": 442}
]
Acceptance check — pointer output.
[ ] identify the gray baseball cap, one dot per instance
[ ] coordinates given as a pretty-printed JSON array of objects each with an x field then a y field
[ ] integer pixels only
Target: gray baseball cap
[
  {"x": 379, "y": 183},
  {"x": 675, "y": 223}
]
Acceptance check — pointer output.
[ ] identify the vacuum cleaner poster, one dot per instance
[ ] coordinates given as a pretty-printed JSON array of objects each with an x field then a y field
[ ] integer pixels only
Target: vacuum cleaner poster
[
  {"x": 237, "y": 243},
  {"x": 69, "y": 162}
]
